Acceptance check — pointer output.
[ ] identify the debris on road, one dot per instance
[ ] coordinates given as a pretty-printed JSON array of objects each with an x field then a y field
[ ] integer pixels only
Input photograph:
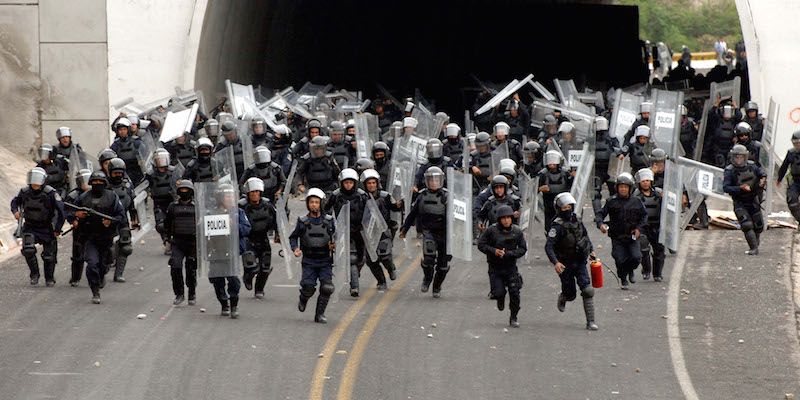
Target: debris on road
[{"x": 141, "y": 316}]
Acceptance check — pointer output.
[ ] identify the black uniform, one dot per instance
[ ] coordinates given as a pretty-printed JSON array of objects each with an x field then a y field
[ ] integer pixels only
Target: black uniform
[
  {"x": 639, "y": 122},
  {"x": 649, "y": 237},
  {"x": 559, "y": 181},
  {"x": 791, "y": 163},
  {"x": 343, "y": 152},
  {"x": 99, "y": 238},
  {"x": 183, "y": 153},
  {"x": 313, "y": 235},
  {"x": 56, "y": 170},
  {"x": 43, "y": 214},
  {"x": 123, "y": 245},
  {"x": 443, "y": 163},
  {"x": 78, "y": 236},
  {"x": 386, "y": 204},
  {"x": 321, "y": 172},
  {"x": 746, "y": 205},
  {"x": 606, "y": 149},
  {"x": 720, "y": 141},
  {"x": 238, "y": 153},
  {"x": 428, "y": 213},
  {"x": 503, "y": 271},
  {"x": 688, "y": 136},
  {"x": 453, "y": 148},
  {"x": 488, "y": 212},
  {"x": 258, "y": 254},
  {"x": 383, "y": 166},
  {"x": 484, "y": 163},
  {"x": 199, "y": 170},
  {"x": 160, "y": 187},
  {"x": 514, "y": 149},
  {"x": 626, "y": 215},
  {"x": 180, "y": 228},
  {"x": 639, "y": 155},
  {"x": 270, "y": 173},
  {"x": 568, "y": 243},
  {"x": 127, "y": 148},
  {"x": 758, "y": 126},
  {"x": 358, "y": 203}
]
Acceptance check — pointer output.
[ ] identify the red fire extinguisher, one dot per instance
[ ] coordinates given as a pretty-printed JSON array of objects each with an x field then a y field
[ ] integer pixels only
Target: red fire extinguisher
[{"x": 596, "y": 272}]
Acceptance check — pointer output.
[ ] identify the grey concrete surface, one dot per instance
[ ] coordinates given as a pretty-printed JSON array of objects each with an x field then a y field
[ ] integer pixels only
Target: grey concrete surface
[{"x": 73, "y": 21}]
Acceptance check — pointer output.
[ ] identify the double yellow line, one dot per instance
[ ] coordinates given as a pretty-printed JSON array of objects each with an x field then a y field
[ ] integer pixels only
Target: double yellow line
[{"x": 359, "y": 347}]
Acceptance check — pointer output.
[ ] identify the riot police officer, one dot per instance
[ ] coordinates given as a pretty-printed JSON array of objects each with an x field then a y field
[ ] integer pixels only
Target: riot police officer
[
  {"x": 258, "y": 128},
  {"x": 549, "y": 132},
  {"x": 568, "y": 245},
  {"x": 721, "y": 123},
  {"x": 55, "y": 167},
  {"x": 340, "y": 145},
  {"x": 349, "y": 192},
  {"x": 258, "y": 254},
  {"x": 754, "y": 119},
  {"x": 231, "y": 138},
  {"x": 745, "y": 182},
  {"x": 200, "y": 169},
  {"x": 500, "y": 133},
  {"x": 104, "y": 157},
  {"x": 318, "y": 168},
  {"x": 453, "y": 147},
  {"x": 280, "y": 146},
  {"x": 567, "y": 140},
  {"x": 211, "y": 128},
  {"x": 268, "y": 171},
  {"x": 380, "y": 154},
  {"x": 517, "y": 118},
  {"x": 428, "y": 213},
  {"x": 40, "y": 208},
  {"x": 533, "y": 161},
  {"x": 481, "y": 162},
  {"x": 553, "y": 179},
  {"x": 743, "y": 137},
  {"x": 182, "y": 150},
  {"x": 303, "y": 146},
  {"x": 434, "y": 150},
  {"x": 688, "y": 136},
  {"x": 126, "y": 148},
  {"x": 313, "y": 239},
  {"x": 160, "y": 187},
  {"x": 181, "y": 232},
  {"x": 643, "y": 120},
  {"x": 606, "y": 149},
  {"x": 503, "y": 242},
  {"x": 791, "y": 163},
  {"x": 501, "y": 196},
  {"x": 370, "y": 180},
  {"x": 639, "y": 150},
  {"x": 124, "y": 191},
  {"x": 99, "y": 230},
  {"x": 363, "y": 164},
  {"x": 652, "y": 261},
  {"x": 65, "y": 143},
  {"x": 78, "y": 235},
  {"x": 627, "y": 221}
]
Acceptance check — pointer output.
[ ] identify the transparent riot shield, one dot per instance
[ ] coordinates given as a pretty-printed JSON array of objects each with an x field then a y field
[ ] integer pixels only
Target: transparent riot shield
[
  {"x": 373, "y": 226},
  {"x": 565, "y": 89},
  {"x": 509, "y": 90},
  {"x": 144, "y": 218},
  {"x": 237, "y": 96},
  {"x": 700, "y": 181},
  {"x": 617, "y": 166},
  {"x": 217, "y": 229},
  {"x": 223, "y": 165},
  {"x": 665, "y": 123},
  {"x": 424, "y": 123},
  {"x": 522, "y": 183},
  {"x": 726, "y": 91},
  {"x": 626, "y": 108},
  {"x": 363, "y": 140},
  {"x": 459, "y": 215},
  {"x": 437, "y": 126},
  {"x": 534, "y": 234},
  {"x": 177, "y": 174},
  {"x": 769, "y": 156},
  {"x": 500, "y": 153},
  {"x": 178, "y": 123},
  {"x": 284, "y": 230},
  {"x": 341, "y": 255},
  {"x": 671, "y": 206},
  {"x": 243, "y": 133},
  {"x": 582, "y": 185},
  {"x": 287, "y": 187},
  {"x": 78, "y": 160},
  {"x": 527, "y": 192},
  {"x": 401, "y": 173},
  {"x": 146, "y": 152}
]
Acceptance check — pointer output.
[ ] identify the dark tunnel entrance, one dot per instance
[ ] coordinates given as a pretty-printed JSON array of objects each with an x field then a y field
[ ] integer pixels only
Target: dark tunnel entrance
[{"x": 432, "y": 46}]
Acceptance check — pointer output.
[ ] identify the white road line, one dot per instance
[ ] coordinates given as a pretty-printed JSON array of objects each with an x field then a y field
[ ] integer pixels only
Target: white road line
[{"x": 673, "y": 327}]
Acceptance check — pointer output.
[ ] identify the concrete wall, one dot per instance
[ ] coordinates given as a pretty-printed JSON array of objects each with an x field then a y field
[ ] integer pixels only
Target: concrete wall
[{"x": 771, "y": 34}]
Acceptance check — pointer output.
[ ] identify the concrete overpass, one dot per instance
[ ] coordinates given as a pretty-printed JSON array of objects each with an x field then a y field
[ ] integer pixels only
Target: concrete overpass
[{"x": 64, "y": 63}]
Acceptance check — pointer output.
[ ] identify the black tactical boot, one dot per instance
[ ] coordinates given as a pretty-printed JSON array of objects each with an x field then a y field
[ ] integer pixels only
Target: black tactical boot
[
  {"x": 226, "y": 310},
  {"x": 513, "y": 320},
  {"x": 501, "y": 303},
  {"x": 178, "y": 300},
  {"x": 562, "y": 303},
  {"x": 234, "y": 307},
  {"x": 588, "y": 307},
  {"x": 95, "y": 294},
  {"x": 302, "y": 304},
  {"x": 248, "y": 280},
  {"x": 322, "y": 304},
  {"x": 390, "y": 267},
  {"x": 647, "y": 265},
  {"x": 261, "y": 282},
  {"x": 121, "y": 262}
]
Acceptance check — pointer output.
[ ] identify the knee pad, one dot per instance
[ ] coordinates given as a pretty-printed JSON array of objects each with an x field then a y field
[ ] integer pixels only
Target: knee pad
[
  {"x": 28, "y": 245},
  {"x": 124, "y": 242},
  {"x": 570, "y": 298},
  {"x": 443, "y": 268},
  {"x": 587, "y": 292},
  {"x": 428, "y": 247},
  {"x": 644, "y": 242},
  {"x": 385, "y": 247},
  {"x": 307, "y": 290},
  {"x": 249, "y": 260},
  {"x": 758, "y": 222},
  {"x": 747, "y": 226},
  {"x": 515, "y": 282},
  {"x": 326, "y": 288}
]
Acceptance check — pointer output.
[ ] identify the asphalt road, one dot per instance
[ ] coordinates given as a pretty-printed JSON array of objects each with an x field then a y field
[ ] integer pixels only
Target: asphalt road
[{"x": 55, "y": 344}]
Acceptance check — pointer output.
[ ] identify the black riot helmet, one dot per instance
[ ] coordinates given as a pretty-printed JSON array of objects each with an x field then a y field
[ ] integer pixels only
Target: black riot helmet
[{"x": 499, "y": 180}]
